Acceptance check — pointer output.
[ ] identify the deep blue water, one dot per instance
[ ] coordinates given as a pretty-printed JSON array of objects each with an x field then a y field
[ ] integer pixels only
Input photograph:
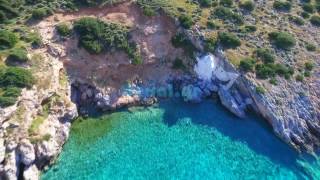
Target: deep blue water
[{"x": 176, "y": 140}]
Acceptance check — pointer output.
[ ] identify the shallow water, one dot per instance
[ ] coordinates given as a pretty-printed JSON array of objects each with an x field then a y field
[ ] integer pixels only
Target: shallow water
[{"x": 176, "y": 140}]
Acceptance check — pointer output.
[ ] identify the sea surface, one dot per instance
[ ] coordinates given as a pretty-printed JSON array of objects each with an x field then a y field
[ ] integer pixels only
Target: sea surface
[{"x": 177, "y": 140}]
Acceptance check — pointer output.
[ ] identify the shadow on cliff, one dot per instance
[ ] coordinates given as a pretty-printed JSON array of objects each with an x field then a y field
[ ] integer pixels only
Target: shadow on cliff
[{"x": 252, "y": 130}]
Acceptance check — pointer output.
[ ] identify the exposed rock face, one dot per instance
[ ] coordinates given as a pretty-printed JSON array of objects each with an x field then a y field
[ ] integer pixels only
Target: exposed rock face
[
  {"x": 26, "y": 152},
  {"x": 31, "y": 173},
  {"x": 291, "y": 113}
]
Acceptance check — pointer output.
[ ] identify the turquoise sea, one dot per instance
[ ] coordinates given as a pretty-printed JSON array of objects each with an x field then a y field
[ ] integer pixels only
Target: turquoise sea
[{"x": 176, "y": 140}]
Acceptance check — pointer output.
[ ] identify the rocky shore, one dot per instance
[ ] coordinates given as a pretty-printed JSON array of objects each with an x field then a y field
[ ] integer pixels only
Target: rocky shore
[{"x": 291, "y": 108}]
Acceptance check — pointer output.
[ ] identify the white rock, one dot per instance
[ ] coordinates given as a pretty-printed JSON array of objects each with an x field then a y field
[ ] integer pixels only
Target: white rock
[
  {"x": 31, "y": 173},
  {"x": 205, "y": 67},
  {"x": 2, "y": 149},
  {"x": 10, "y": 167},
  {"x": 26, "y": 152}
]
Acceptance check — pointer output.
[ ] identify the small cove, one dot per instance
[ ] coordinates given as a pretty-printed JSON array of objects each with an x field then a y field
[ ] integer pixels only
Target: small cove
[{"x": 177, "y": 140}]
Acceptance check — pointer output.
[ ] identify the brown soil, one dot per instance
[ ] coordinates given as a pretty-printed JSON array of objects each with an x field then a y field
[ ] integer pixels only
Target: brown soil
[{"x": 113, "y": 69}]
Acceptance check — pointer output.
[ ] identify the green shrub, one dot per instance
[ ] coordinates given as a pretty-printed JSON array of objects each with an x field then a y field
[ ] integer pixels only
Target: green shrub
[
  {"x": 311, "y": 47},
  {"x": 40, "y": 13},
  {"x": 186, "y": 21},
  {"x": 265, "y": 71},
  {"x": 63, "y": 29},
  {"x": 297, "y": 20},
  {"x": 148, "y": 11},
  {"x": 17, "y": 55},
  {"x": 7, "y": 39},
  {"x": 97, "y": 36},
  {"x": 304, "y": 15},
  {"x": 299, "y": 77},
  {"x": 282, "y": 5},
  {"x": 205, "y": 3},
  {"x": 247, "y": 5},
  {"x": 250, "y": 28},
  {"x": 228, "y": 40},
  {"x": 7, "y": 101},
  {"x": 11, "y": 92},
  {"x": 315, "y": 20},
  {"x": 308, "y": 7},
  {"x": 16, "y": 77},
  {"x": 226, "y": 3},
  {"x": 3, "y": 17},
  {"x": 260, "y": 90},
  {"x": 212, "y": 25},
  {"x": 282, "y": 40},
  {"x": 273, "y": 81},
  {"x": 308, "y": 66},
  {"x": 265, "y": 55},
  {"x": 227, "y": 15},
  {"x": 210, "y": 44},
  {"x": 247, "y": 64}
]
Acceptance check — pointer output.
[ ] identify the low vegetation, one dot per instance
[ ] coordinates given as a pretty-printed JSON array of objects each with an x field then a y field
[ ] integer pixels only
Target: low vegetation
[
  {"x": 228, "y": 40},
  {"x": 97, "y": 36},
  {"x": 282, "y": 40},
  {"x": 17, "y": 56},
  {"x": 7, "y": 39},
  {"x": 63, "y": 29}
]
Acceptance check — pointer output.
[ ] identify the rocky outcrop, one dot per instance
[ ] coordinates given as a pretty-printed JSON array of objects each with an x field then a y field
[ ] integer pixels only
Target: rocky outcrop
[
  {"x": 26, "y": 152},
  {"x": 31, "y": 173}
]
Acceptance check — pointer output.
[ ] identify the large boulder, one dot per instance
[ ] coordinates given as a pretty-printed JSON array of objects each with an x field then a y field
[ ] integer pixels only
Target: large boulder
[{"x": 230, "y": 103}]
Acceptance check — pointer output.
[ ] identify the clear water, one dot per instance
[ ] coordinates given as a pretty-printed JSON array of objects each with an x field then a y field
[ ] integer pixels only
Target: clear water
[{"x": 176, "y": 140}]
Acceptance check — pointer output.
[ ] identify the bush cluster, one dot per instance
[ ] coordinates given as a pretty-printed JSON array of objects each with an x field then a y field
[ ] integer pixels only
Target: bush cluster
[
  {"x": 186, "y": 21},
  {"x": 205, "y": 3},
  {"x": 63, "y": 29},
  {"x": 297, "y": 20},
  {"x": 282, "y": 40},
  {"x": 226, "y": 3},
  {"x": 7, "y": 39},
  {"x": 97, "y": 36},
  {"x": 227, "y": 14},
  {"x": 12, "y": 79},
  {"x": 41, "y": 13},
  {"x": 282, "y": 5},
  {"x": 247, "y": 5},
  {"x": 16, "y": 77},
  {"x": 265, "y": 71},
  {"x": 247, "y": 64},
  {"x": 315, "y": 20},
  {"x": 148, "y": 11},
  {"x": 17, "y": 55},
  {"x": 228, "y": 40},
  {"x": 265, "y": 55}
]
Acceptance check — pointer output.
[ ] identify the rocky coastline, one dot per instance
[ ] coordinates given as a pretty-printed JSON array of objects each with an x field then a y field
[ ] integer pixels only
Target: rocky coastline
[{"x": 296, "y": 121}]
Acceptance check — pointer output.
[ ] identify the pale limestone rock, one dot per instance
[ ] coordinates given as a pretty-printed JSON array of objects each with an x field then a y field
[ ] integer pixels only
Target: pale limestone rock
[
  {"x": 31, "y": 173},
  {"x": 26, "y": 152}
]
